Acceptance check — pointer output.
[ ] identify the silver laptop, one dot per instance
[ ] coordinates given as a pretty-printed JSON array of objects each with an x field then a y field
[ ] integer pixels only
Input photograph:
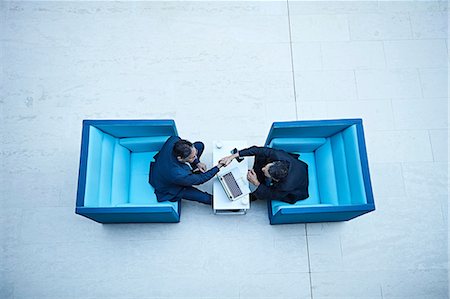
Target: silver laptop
[{"x": 234, "y": 183}]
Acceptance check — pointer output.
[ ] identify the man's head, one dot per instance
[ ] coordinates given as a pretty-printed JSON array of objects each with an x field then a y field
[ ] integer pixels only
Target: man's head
[
  {"x": 184, "y": 151},
  {"x": 277, "y": 170}
]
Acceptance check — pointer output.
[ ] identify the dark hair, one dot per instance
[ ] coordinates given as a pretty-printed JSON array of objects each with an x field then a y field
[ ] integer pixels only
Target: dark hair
[
  {"x": 182, "y": 148},
  {"x": 279, "y": 170}
]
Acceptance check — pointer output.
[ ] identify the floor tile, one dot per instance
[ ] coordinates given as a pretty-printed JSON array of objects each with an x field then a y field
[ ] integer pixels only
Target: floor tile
[
  {"x": 341, "y": 284},
  {"x": 380, "y": 26},
  {"x": 439, "y": 143},
  {"x": 425, "y": 178},
  {"x": 379, "y": 84},
  {"x": 420, "y": 114},
  {"x": 319, "y": 27},
  {"x": 376, "y": 114},
  {"x": 306, "y": 56},
  {"x": 429, "y": 25},
  {"x": 415, "y": 53},
  {"x": 415, "y": 284},
  {"x": 295, "y": 285},
  {"x": 358, "y": 55},
  {"x": 387, "y": 179},
  {"x": 434, "y": 82},
  {"x": 399, "y": 146},
  {"x": 325, "y": 85}
]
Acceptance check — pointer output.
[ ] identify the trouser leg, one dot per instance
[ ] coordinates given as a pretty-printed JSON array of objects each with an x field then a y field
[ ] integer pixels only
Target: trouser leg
[{"x": 193, "y": 194}]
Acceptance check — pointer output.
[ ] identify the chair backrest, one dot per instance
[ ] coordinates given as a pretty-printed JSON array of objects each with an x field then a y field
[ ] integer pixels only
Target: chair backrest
[
  {"x": 107, "y": 171},
  {"x": 339, "y": 170}
]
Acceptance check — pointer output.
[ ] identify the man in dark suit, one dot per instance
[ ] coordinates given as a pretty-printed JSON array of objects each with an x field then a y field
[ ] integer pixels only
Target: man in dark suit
[
  {"x": 176, "y": 168},
  {"x": 278, "y": 175}
]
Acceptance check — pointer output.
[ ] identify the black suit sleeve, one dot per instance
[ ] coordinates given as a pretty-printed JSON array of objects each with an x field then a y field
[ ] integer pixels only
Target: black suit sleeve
[
  {"x": 265, "y": 152},
  {"x": 267, "y": 193},
  {"x": 188, "y": 178}
]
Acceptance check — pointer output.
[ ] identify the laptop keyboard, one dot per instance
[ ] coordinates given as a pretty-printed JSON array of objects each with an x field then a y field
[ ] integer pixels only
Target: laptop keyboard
[{"x": 232, "y": 185}]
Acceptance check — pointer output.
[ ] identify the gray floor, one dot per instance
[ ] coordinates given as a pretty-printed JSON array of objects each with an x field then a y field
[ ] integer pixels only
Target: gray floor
[{"x": 223, "y": 71}]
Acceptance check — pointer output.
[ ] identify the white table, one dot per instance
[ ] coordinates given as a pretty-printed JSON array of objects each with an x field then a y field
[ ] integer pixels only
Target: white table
[{"x": 221, "y": 203}]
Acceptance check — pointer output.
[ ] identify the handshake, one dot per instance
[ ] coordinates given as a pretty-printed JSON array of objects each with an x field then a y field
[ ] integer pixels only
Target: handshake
[
  {"x": 251, "y": 175},
  {"x": 225, "y": 161}
]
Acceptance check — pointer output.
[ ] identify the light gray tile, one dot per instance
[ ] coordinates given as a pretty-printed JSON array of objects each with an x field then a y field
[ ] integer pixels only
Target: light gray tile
[
  {"x": 351, "y": 297},
  {"x": 208, "y": 56},
  {"x": 341, "y": 284},
  {"x": 357, "y": 225},
  {"x": 378, "y": 84},
  {"x": 410, "y": 6},
  {"x": 280, "y": 111},
  {"x": 294, "y": 285},
  {"x": 325, "y": 253},
  {"x": 387, "y": 179},
  {"x": 429, "y": 25},
  {"x": 396, "y": 214},
  {"x": 420, "y": 114},
  {"x": 307, "y": 56},
  {"x": 420, "y": 250},
  {"x": 353, "y": 55},
  {"x": 312, "y": 109},
  {"x": 200, "y": 9},
  {"x": 425, "y": 178},
  {"x": 415, "y": 53},
  {"x": 264, "y": 256},
  {"x": 380, "y": 26},
  {"x": 439, "y": 143},
  {"x": 61, "y": 224},
  {"x": 177, "y": 27},
  {"x": 10, "y": 225},
  {"x": 331, "y": 7},
  {"x": 325, "y": 85},
  {"x": 415, "y": 284},
  {"x": 398, "y": 146},
  {"x": 434, "y": 82},
  {"x": 376, "y": 114},
  {"x": 319, "y": 27}
]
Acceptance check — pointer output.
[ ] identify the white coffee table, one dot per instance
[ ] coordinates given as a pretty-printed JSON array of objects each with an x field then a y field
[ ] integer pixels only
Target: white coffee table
[{"x": 221, "y": 203}]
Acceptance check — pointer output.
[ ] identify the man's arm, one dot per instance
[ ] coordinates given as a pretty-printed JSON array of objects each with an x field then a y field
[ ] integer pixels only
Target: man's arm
[
  {"x": 188, "y": 178},
  {"x": 265, "y": 152},
  {"x": 267, "y": 193}
]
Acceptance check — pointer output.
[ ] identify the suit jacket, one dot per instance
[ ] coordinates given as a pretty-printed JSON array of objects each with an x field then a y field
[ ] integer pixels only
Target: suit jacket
[
  {"x": 293, "y": 187},
  {"x": 169, "y": 176}
]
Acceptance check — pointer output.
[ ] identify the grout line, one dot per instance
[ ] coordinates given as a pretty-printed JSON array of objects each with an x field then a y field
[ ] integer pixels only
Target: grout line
[
  {"x": 420, "y": 82},
  {"x": 356, "y": 85},
  {"x": 309, "y": 262},
  {"x": 292, "y": 59},
  {"x": 431, "y": 145},
  {"x": 410, "y": 26}
]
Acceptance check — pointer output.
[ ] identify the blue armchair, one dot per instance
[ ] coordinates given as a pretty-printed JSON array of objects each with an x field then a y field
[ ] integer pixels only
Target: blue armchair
[
  {"x": 339, "y": 179},
  {"x": 114, "y": 165}
]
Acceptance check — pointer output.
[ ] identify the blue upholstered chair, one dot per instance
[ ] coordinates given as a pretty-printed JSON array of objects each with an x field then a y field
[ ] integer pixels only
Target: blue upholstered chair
[
  {"x": 339, "y": 180},
  {"x": 114, "y": 165}
]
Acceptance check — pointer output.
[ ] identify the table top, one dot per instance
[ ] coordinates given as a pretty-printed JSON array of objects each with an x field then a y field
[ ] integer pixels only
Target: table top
[{"x": 223, "y": 148}]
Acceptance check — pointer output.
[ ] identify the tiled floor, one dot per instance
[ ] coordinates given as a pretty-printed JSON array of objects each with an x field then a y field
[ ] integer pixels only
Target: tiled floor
[{"x": 224, "y": 70}]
